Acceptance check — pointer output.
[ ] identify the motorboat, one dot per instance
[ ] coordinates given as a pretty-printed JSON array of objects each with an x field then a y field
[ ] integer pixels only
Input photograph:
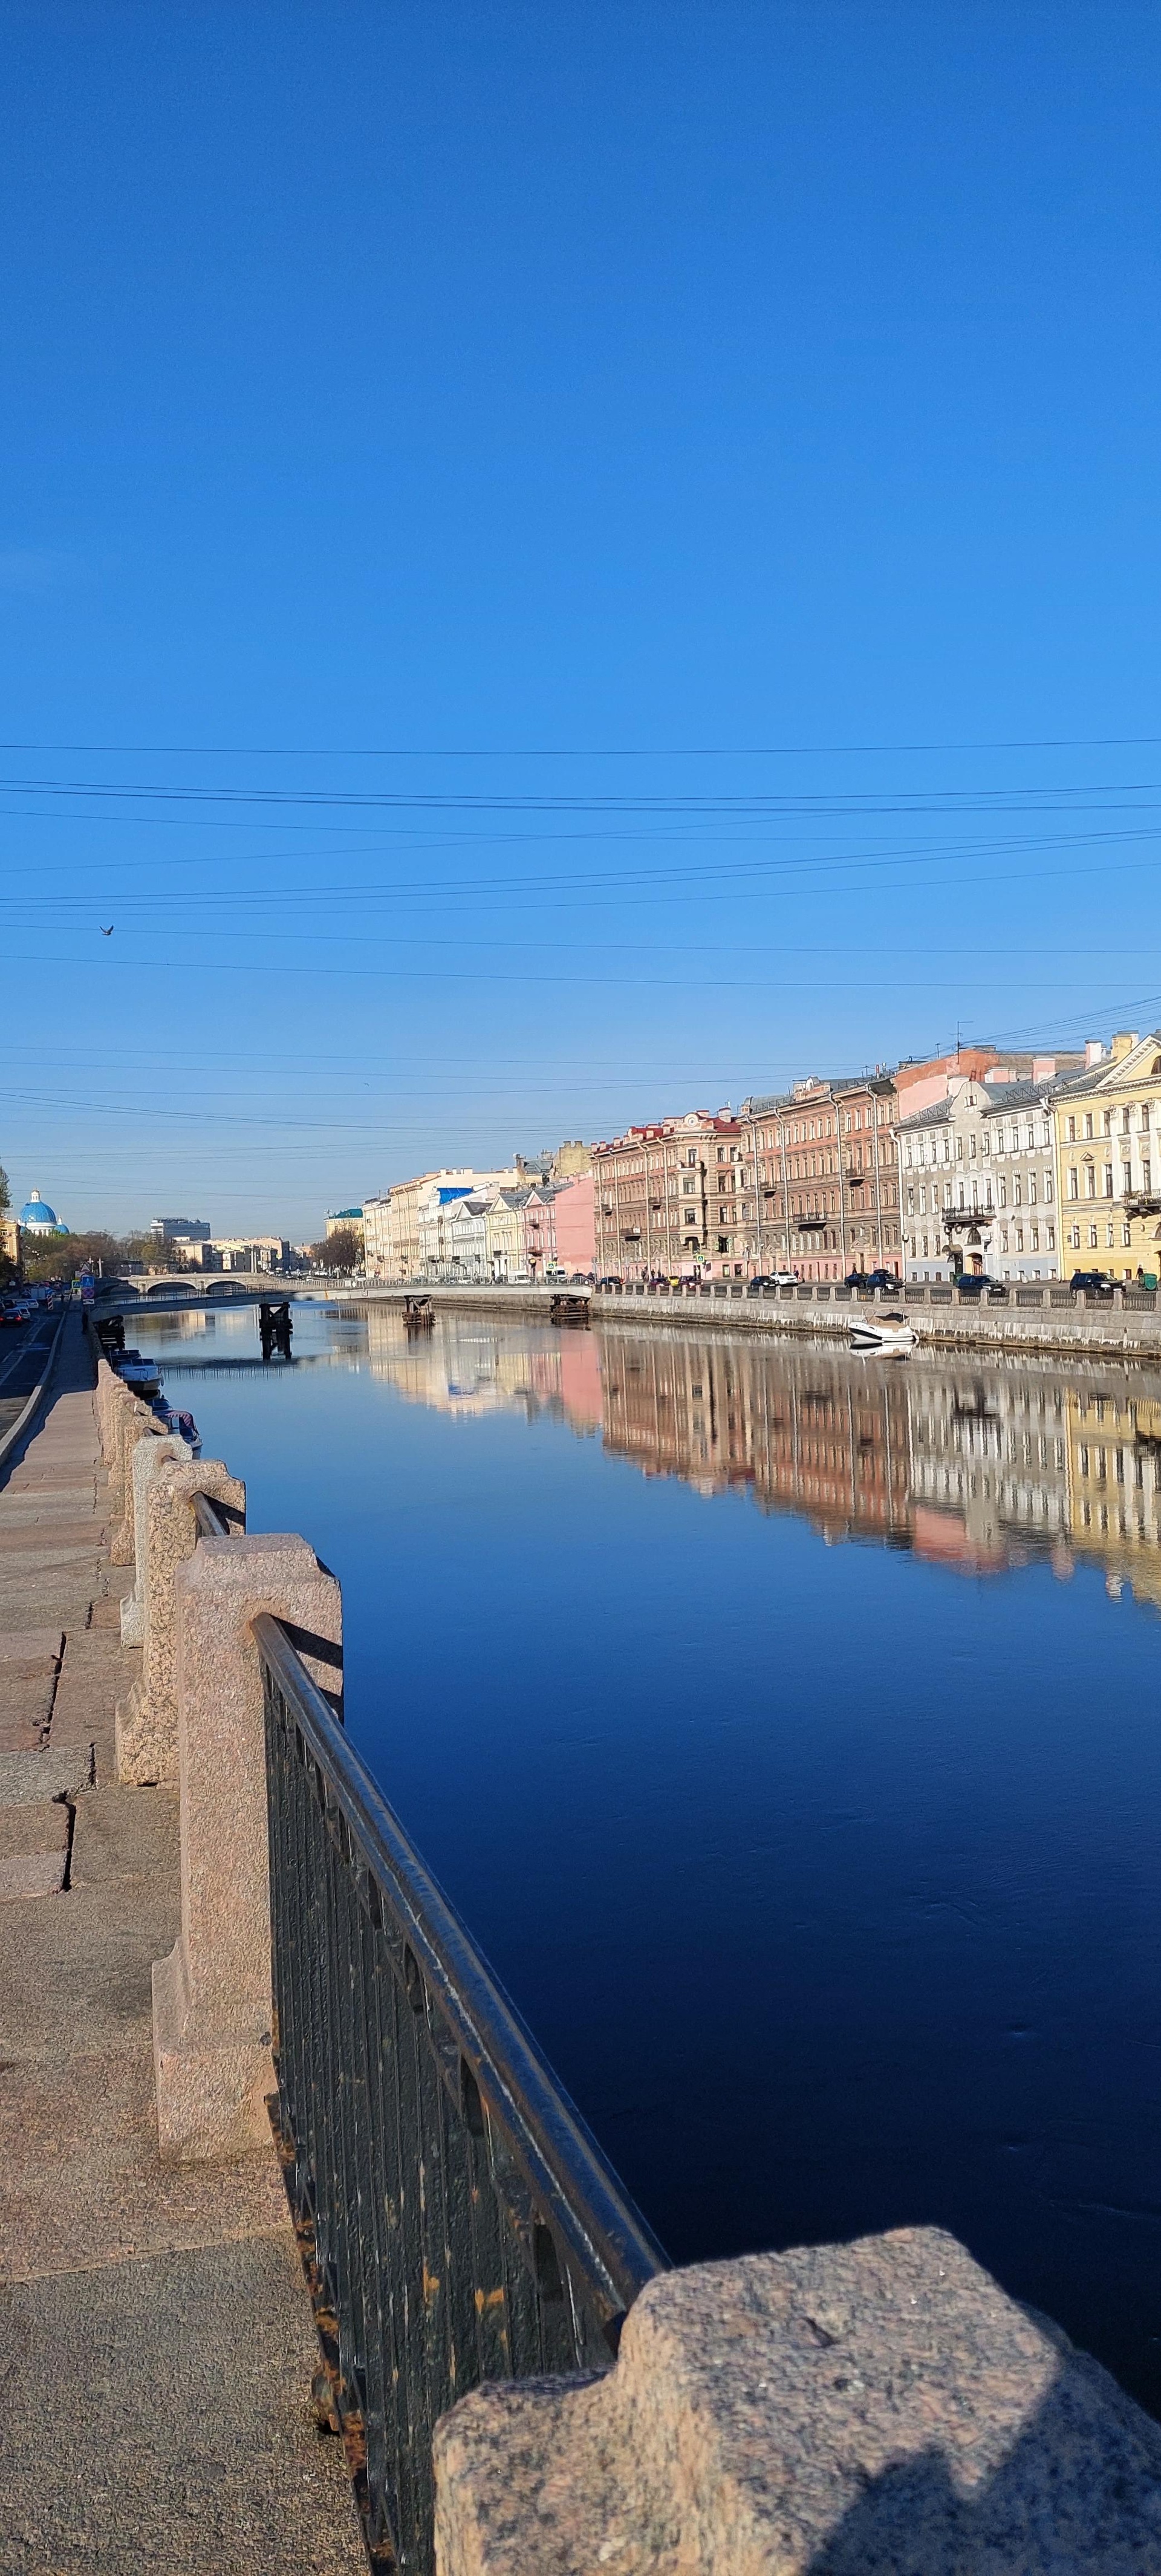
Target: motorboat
[
  {"x": 888, "y": 1332},
  {"x": 182, "y": 1423},
  {"x": 142, "y": 1375}
]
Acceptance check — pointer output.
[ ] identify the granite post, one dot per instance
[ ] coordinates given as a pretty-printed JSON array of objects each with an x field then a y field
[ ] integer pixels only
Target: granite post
[
  {"x": 133, "y": 1421},
  {"x": 212, "y": 1995},
  {"x": 849, "y": 2408},
  {"x": 146, "y": 1719},
  {"x": 147, "y": 1460}
]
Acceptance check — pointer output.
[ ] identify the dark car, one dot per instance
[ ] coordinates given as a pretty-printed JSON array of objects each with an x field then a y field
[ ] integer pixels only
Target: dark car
[
  {"x": 612, "y": 1284},
  {"x": 978, "y": 1283},
  {"x": 883, "y": 1279},
  {"x": 857, "y": 1279},
  {"x": 1095, "y": 1283},
  {"x": 757, "y": 1286}
]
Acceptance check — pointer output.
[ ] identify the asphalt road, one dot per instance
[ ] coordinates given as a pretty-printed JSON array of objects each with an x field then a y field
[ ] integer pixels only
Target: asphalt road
[{"x": 23, "y": 1352}]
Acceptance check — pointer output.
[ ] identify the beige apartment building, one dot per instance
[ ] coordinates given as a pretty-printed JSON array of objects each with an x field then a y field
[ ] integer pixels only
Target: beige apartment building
[{"x": 675, "y": 1200}]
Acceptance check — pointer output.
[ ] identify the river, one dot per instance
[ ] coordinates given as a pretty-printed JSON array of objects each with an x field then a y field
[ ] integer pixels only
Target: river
[{"x": 787, "y": 1728}]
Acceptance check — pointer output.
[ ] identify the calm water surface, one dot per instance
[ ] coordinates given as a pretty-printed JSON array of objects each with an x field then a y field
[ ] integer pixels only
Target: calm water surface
[{"x": 787, "y": 1728}]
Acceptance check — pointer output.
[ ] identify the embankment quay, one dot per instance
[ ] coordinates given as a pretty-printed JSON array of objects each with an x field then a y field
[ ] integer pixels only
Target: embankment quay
[
  {"x": 1032, "y": 1318},
  {"x": 226, "y": 1968}
]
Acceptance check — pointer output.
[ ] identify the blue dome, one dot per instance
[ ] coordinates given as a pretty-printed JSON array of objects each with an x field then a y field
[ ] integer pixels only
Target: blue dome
[{"x": 37, "y": 1212}]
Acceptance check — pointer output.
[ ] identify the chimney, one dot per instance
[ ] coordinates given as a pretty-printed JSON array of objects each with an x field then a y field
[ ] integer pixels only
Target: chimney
[
  {"x": 1093, "y": 1052},
  {"x": 1123, "y": 1044},
  {"x": 1043, "y": 1068}
]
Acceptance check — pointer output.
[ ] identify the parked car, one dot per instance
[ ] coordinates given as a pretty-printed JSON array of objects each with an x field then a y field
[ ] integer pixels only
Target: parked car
[
  {"x": 883, "y": 1279},
  {"x": 771, "y": 1279},
  {"x": 1095, "y": 1283},
  {"x": 611, "y": 1284},
  {"x": 979, "y": 1283},
  {"x": 857, "y": 1279}
]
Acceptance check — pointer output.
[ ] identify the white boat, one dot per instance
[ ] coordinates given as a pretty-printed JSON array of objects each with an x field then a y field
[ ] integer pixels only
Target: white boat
[{"x": 889, "y": 1333}]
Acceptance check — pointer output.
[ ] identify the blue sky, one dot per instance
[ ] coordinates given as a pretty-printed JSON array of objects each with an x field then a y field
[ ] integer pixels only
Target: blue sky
[{"x": 556, "y": 563}]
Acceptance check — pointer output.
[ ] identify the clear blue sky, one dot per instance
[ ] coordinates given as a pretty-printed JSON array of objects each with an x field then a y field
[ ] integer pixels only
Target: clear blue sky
[{"x": 398, "y": 397}]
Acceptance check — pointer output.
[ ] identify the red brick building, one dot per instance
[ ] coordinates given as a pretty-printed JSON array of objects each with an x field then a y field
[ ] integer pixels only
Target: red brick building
[{"x": 828, "y": 1178}]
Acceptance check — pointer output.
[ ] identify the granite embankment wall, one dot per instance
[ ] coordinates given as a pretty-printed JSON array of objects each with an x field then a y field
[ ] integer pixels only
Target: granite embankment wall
[{"x": 1048, "y": 1319}]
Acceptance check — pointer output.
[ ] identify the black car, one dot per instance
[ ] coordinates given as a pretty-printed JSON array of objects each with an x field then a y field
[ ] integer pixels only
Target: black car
[
  {"x": 978, "y": 1283},
  {"x": 882, "y": 1279},
  {"x": 611, "y": 1284},
  {"x": 1095, "y": 1283},
  {"x": 857, "y": 1279}
]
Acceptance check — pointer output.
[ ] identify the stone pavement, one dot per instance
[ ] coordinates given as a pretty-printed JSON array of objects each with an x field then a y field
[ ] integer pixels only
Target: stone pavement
[{"x": 156, "y": 2343}]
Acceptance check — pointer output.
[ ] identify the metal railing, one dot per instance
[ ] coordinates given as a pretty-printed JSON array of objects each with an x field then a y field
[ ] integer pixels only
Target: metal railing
[{"x": 458, "y": 2221}]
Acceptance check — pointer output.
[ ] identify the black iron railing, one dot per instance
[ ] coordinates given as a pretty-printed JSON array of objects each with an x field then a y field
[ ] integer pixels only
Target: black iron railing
[{"x": 458, "y": 2221}]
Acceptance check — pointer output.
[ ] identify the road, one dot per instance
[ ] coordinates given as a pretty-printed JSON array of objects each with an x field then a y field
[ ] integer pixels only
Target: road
[{"x": 23, "y": 1352}]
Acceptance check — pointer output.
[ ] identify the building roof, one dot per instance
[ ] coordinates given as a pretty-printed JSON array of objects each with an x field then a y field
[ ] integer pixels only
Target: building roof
[
  {"x": 36, "y": 1211},
  {"x": 998, "y": 1097}
]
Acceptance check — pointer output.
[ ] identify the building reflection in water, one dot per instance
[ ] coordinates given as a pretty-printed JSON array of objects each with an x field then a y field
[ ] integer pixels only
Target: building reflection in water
[{"x": 981, "y": 1465}]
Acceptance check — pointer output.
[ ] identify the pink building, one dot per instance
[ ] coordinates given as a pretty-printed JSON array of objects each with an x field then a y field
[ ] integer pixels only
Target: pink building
[{"x": 574, "y": 1210}]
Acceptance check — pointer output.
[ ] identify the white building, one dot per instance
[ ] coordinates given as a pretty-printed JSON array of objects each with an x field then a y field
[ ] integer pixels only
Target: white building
[{"x": 977, "y": 1181}]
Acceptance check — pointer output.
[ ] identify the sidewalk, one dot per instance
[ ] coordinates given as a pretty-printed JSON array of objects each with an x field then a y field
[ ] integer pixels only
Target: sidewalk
[{"x": 156, "y": 2343}]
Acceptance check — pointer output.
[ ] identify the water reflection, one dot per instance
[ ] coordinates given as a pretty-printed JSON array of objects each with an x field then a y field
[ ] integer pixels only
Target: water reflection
[{"x": 984, "y": 1465}]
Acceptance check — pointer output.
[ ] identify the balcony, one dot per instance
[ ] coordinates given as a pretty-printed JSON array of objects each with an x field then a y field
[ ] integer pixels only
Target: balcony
[
  {"x": 952, "y": 1219},
  {"x": 1142, "y": 1203}
]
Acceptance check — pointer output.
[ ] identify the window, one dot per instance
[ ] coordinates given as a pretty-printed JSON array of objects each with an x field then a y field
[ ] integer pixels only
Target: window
[
  {"x": 1050, "y": 1237},
  {"x": 1035, "y": 1238},
  {"x": 1127, "y": 1237},
  {"x": 1015, "y": 1189},
  {"x": 1092, "y": 1238},
  {"x": 987, "y": 1146},
  {"x": 1019, "y": 1238},
  {"x": 1088, "y": 1122},
  {"x": 1108, "y": 1238},
  {"x": 1031, "y": 1189},
  {"x": 972, "y": 1147},
  {"x": 959, "y": 1149},
  {"x": 1146, "y": 1174},
  {"x": 1002, "y": 1189},
  {"x": 1108, "y": 1124},
  {"x": 1090, "y": 1180},
  {"x": 1073, "y": 1182}
]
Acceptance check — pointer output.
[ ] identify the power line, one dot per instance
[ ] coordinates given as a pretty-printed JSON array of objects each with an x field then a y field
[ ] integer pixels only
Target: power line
[{"x": 558, "y": 751}]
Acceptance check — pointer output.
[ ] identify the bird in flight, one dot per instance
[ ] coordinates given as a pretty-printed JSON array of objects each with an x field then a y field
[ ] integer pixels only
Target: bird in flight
[{"x": 106, "y": 934}]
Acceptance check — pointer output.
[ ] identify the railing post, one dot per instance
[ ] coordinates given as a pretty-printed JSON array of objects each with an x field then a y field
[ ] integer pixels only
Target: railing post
[
  {"x": 212, "y": 1995},
  {"x": 841, "y": 2406},
  {"x": 146, "y": 1719},
  {"x": 146, "y": 1462}
]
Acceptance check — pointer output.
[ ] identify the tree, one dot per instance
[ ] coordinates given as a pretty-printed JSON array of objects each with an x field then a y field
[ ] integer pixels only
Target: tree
[
  {"x": 5, "y": 1201},
  {"x": 342, "y": 1250},
  {"x": 64, "y": 1256}
]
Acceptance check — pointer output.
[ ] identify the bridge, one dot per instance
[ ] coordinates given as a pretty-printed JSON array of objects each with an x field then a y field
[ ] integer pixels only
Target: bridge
[{"x": 188, "y": 1288}]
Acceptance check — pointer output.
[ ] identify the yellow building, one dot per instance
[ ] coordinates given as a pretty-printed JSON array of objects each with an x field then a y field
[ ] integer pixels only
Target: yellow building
[
  {"x": 1113, "y": 1428},
  {"x": 1107, "y": 1137}
]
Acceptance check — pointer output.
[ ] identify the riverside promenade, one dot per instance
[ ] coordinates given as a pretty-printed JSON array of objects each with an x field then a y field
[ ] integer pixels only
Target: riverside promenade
[{"x": 156, "y": 2338}]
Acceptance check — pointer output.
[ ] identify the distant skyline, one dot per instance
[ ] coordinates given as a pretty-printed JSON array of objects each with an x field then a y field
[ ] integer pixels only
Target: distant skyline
[{"x": 558, "y": 566}]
